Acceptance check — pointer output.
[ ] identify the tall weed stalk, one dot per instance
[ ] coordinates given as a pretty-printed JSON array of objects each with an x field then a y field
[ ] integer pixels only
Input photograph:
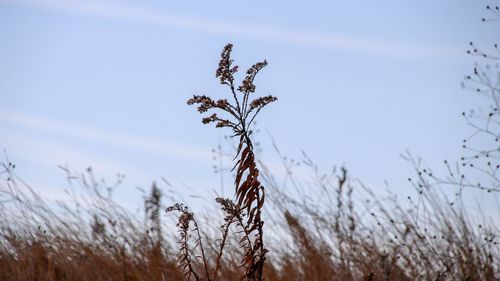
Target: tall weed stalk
[{"x": 246, "y": 211}]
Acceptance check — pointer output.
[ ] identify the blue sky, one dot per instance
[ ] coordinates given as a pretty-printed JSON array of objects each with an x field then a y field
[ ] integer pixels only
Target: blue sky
[{"x": 104, "y": 84}]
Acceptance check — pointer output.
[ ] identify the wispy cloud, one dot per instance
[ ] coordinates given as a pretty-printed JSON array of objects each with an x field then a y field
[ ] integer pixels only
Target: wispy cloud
[
  {"x": 116, "y": 139},
  {"x": 308, "y": 38}
]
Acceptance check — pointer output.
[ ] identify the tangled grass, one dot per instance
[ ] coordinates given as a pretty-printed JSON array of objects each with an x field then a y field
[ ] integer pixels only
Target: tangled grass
[{"x": 337, "y": 231}]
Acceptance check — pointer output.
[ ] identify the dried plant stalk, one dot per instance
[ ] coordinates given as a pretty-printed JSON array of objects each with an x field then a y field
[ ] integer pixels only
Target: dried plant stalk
[{"x": 250, "y": 194}]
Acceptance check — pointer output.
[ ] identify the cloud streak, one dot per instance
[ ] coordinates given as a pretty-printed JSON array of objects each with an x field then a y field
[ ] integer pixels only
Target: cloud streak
[
  {"x": 307, "y": 38},
  {"x": 149, "y": 145}
]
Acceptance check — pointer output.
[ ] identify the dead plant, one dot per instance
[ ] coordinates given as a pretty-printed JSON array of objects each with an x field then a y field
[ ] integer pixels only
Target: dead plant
[{"x": 250, "y": 194}]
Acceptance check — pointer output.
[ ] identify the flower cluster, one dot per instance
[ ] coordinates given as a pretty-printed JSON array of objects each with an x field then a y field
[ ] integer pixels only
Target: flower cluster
[
  {"x": 230, "y": 209},
  {"x": 242, "y": 111},
  {"x": 261, "y": 102},
  {"x": 185, "y": 218},
  {"x": 226, "y": 70},
  {"x": 247, "y": 83},
  {"x": 204, "y": 103}
]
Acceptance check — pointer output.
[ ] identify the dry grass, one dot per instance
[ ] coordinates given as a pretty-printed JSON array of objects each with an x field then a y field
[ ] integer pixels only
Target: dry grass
[{"x": 333, "y": 237}]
